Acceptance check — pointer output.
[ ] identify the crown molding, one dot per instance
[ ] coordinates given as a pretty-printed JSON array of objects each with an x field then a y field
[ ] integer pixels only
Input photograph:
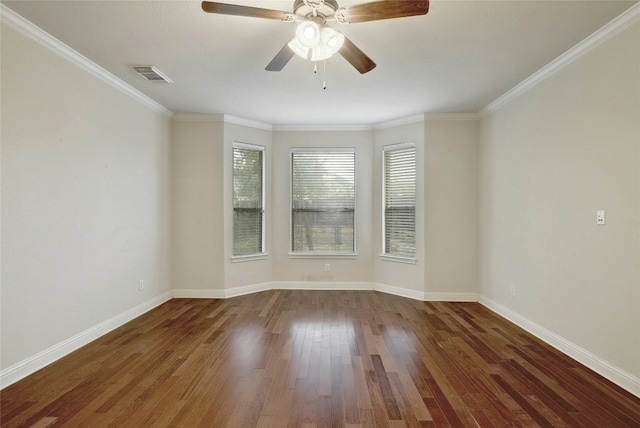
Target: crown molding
[
  {"x": 26, "y": 28},
  {"x": 197, "y": 117},
  {"x": 321, "y": 128},
  {"x": 399, "y": 122},
  {"x": 247, "y": 122},
  {"x": 617, "y": 25},
  {"x": 224, "y": 118},
  {"x": 451, "y": 116}
]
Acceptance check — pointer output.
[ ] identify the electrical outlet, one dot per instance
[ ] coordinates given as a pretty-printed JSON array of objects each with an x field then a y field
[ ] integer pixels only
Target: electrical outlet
[
  {"x": 513, "y": 290},
  {"x": 141, "y": 285},
  {"x": 327, "y": 267}
]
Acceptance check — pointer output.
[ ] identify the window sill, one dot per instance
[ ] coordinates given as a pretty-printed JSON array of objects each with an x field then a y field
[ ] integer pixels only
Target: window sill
[
  {"x": 398, "y": 259},
  {"x": 323, "y": 255},
  {"x": 248, "y": 258}
]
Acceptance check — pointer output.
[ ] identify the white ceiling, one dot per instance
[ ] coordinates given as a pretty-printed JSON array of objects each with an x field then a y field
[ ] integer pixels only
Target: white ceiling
[{"x": 458, "y": 58}]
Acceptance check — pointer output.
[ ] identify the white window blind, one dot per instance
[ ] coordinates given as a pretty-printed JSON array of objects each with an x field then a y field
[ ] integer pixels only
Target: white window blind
[
  {"x": 248, "y": 199},
  {"x": 400, "y": 200},
  {"x": 322, "y": 201}
]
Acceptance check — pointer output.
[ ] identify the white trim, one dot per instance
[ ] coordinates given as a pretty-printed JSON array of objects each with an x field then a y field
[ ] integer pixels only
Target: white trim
[
  {"x": 401, "y": 121},
  {"x": 322, "y": 128},
  {"x": 223, "y": 118},
  {"x": 315, "y": 149},
  {"x": 30, "y": 30},
  {"x": 620, "y": 377},
  {"x": 321, "y": 285},
  {"x": 399, "y": 146},
  {"x": 314, "y": 285},
  {"x": 624, "y": 20},
  {"x": 450, "y": 297},
  {"x": 398, "y": 291},
  {"x": 396, "y": 259},
  {"x": 322, "y": 255},
  {"x": 179, "y": 293},
  {"x": 32, "y": 364},
  {"x": 247, "y": 122},
  {"x": 327, "y": 150},
  {"x": 197, "y": 117},
  {"x": 248, "y": 146},
  {"x": 451, "y": 116},
  {"x": 388, "y": 149},
  {"x": 220, "y": 294},
  {"x": 247, "y": 289},
  {"x": 237, "y": 145},
  {"x": 249, "y": 258}
]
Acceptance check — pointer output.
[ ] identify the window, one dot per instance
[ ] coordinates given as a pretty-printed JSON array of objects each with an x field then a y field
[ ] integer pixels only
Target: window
[
  {"x": 248, "y": 199},
  {"x": 323, "y": 201},
  {"x": 399, "y": 200}
]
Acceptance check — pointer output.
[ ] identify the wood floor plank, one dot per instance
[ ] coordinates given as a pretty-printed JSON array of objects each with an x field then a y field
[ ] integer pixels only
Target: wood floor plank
[{"x": 302, "y": 358}]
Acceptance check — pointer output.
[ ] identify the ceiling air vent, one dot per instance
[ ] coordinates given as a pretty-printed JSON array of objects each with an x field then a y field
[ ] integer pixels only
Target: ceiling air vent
[{"x": 150, "y": 73}]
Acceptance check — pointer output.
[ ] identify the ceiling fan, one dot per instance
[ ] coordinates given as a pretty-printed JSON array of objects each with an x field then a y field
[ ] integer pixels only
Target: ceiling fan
[{"x": 315, "y": 38}]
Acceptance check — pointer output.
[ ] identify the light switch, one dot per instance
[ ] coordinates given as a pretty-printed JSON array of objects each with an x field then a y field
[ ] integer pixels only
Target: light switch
[{"x": 600, "y": 217}]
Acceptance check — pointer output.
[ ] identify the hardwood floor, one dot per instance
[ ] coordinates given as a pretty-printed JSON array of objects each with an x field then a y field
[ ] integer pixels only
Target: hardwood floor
[{"x": 317, "y": 359}]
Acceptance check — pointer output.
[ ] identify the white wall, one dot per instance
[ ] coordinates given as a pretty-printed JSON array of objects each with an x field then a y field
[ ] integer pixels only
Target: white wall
[
  {"x": 550, "y": 158},
  {"x": 403, "y": 278},
  {"x": 85, "y": 200},
  {"x": 446, "y": 265},
  {"x": 451, "y": 207},
  {"x": 254, "y": 272},
  {"x": 197, "y": 153},
  {"x": 202, "y": 211},
  {"x": 343, "y": 270}
]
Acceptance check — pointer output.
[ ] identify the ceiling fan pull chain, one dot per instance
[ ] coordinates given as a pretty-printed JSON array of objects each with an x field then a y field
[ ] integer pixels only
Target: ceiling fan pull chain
[
  {"x": 324, "y": 72},
  {"x": 315, "y": 68}
]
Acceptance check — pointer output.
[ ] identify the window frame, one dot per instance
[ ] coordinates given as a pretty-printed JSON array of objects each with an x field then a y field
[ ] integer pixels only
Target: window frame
[
  {"x": 322, "y": 254},
  {"x": 385, "y": 255},
  {"x": 263, "y": 253}
]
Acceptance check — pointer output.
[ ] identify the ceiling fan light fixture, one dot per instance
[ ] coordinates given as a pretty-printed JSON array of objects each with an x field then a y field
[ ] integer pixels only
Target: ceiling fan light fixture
[
  {"x": 320, "y": 53},
  {"x": 298, "y": 48},
  {"x": 309, "y": 41},
  {"x": 308, "y": 34},
  {"x": 330, "y": 42},
  {"x": 332, "y": 39},
  {"x": 314, "y": 43}
]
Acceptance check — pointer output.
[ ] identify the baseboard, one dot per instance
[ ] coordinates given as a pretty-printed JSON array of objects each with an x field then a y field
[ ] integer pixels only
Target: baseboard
[
  {"x": 42, "y": 359},
  {"x": 304, "y": 285},
  {"x": 197, "y": 294},
  {"x": 320, "y": 285},
  {"x": 451, "y": 297},
  {"x": 614, "y": 374},
  {"x": 248, "y": 289},
  {"x": 398, "y": 291}
]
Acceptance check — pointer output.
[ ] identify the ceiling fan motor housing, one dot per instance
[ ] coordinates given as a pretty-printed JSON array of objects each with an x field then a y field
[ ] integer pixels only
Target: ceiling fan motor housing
[{"x": 305, "y": 8}]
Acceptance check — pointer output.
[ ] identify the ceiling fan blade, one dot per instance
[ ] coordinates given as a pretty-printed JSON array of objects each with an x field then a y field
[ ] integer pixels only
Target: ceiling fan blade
[
  {"x": 281, "y": 59},
  {"x": 356, "y": 57},
  {"x": 254, "y": 12},
  {"x": 385, "y": 9}
]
